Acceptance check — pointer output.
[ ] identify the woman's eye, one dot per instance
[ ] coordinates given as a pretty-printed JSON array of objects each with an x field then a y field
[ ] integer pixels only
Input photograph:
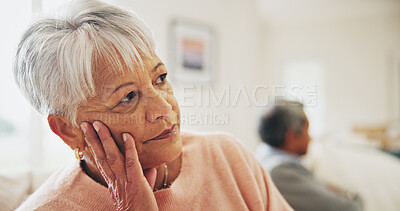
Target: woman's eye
[
  {"x": 128, "y": 97},
  {"x": 161, "y": 79}
]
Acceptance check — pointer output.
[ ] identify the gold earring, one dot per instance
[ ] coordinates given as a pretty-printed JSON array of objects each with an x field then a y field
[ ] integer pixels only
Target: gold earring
[{"x": 78, "y": 155}]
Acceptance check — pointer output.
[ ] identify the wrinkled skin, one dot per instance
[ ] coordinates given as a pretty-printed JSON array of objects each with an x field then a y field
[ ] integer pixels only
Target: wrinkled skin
[
  {"x": 140, "y": 110},
  {"x": 127, "y": 182}
]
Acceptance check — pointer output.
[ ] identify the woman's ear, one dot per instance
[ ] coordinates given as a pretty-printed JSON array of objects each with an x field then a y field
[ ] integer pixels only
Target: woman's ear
[{"x": 69, "y": 133}]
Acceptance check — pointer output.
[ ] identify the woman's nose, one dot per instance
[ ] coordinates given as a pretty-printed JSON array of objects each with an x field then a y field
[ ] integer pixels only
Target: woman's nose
[{"x": 157, "y": 107}]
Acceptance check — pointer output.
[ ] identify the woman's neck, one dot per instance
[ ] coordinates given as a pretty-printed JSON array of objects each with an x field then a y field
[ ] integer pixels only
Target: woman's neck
[{"x": 173, "y": 168}]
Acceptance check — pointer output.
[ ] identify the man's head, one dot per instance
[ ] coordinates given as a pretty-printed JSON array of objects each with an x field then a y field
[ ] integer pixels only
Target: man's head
[{"x": 285, "y": 127}]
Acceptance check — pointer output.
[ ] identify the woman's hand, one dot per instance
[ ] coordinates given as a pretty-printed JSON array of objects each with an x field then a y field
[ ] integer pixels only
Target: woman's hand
[{"x": 130, "y": 187}]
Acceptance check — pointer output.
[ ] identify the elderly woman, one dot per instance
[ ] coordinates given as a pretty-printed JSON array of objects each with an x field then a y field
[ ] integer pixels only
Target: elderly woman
[{"x": 95, "y": 74}]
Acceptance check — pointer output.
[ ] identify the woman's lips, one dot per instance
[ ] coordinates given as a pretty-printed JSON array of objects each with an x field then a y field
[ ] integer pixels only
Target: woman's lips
[{"x": 165, "y": 134}]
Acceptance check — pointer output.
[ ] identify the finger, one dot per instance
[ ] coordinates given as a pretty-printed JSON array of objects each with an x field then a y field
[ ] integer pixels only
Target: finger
[
  {"x": 134, "y": 171},
  {"x": 93, "y": 142},
  {"x": 151, "y": 175},
  {"x": 114, "y": 157}
]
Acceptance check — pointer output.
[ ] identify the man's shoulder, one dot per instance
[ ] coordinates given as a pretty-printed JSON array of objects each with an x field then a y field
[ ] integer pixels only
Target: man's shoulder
[
  {"x": 272, "y": 158},
  {"x": 291, "y": 166},
  {"x": 290, "y": 171}
]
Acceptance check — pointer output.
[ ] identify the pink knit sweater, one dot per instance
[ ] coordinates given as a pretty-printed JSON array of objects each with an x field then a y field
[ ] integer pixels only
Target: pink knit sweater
[{"x": 217, "y": 173}]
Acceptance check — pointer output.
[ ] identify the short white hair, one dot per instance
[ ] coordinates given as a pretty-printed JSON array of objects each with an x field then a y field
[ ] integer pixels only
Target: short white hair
[{"x": 57, "y": 54}]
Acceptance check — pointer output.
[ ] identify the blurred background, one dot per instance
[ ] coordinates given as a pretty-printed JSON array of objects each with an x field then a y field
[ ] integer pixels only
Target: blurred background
[{"x": 340, "y": 58}]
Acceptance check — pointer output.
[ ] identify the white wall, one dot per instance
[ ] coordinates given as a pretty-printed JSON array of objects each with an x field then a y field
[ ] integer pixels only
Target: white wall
[
  {"x": 358, "y": 56},
  {"x": 14, "y": 108}
]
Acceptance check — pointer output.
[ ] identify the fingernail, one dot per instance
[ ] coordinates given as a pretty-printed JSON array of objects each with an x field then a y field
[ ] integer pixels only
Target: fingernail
[
  {"x": 83, "y": 127},
  {"x": 96, "y": 127},
  {"x": 124, "y": 137}
]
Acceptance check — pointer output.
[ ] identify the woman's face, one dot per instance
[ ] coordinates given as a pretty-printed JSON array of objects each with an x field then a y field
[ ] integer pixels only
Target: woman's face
[{"x": 140, "y": 102}]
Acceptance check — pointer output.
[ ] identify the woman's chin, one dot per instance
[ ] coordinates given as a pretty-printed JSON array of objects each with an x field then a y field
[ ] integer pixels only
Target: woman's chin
[{"x": 159, "y": 152}]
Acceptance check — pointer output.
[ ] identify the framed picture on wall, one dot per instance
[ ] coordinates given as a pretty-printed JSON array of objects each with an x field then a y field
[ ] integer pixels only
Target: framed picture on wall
[{"x": 192, "y": 52}]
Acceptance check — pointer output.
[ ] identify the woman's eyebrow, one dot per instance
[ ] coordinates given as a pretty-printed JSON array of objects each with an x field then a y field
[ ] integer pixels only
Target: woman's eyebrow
[
  {"x": 131, "y": 83},
  {"x": 122, "y": 85},
  {"x": 156, "y": 67}
]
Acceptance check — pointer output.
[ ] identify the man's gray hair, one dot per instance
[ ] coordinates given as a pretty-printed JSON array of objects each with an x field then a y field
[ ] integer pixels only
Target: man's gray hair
[
  {"x": 283, "y": 116},
  {"x": 57, "y": 55}
]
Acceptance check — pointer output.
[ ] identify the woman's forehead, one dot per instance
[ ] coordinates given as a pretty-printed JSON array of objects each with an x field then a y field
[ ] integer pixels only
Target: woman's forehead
[
  {"x": 117, "y": 68},
  {"x": 111, "y": 74}
]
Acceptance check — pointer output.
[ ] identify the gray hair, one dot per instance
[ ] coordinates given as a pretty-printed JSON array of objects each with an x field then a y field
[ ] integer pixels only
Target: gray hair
[
  {"x": 282, "y": 117},
  {"x": 56, "y": 57}
]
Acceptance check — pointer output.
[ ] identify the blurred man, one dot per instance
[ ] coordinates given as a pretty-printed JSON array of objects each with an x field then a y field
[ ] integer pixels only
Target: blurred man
[{"x": 284, "y": 131}]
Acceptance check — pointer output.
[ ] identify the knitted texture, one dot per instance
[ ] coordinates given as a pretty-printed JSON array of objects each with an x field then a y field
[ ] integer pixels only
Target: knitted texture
[{"x": 217, "y": 173}]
